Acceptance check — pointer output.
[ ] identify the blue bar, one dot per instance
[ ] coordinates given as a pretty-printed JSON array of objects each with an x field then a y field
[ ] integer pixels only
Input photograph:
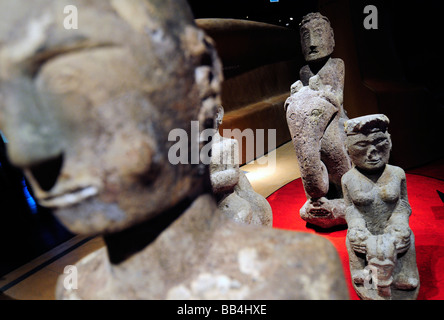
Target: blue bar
[
  {"x": 3, "y": 137},
  {"x": 31, "y": 202}
]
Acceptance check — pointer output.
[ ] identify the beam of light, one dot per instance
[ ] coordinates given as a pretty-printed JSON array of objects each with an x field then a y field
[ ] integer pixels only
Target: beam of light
[{"x": 259, "y": 173}]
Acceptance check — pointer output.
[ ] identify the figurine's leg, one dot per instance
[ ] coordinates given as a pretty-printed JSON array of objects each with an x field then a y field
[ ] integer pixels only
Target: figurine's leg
[
  {"x": 335, "y": 157},
  {"x": 308, "y": 117},
  {"x": 308, "y": 120},
  {"x": 407, "y": 275},
  {"x": 357, "y": 264},
  {"x": 236, "y": 208},
  {"x": 261, "y": 209}
]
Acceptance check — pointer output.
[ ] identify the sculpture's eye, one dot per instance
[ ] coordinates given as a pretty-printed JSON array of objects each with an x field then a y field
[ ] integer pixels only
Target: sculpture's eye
[
  {"x": 380, "y": 141},
  {"x": 318, "y": 32},
  {"x": 40, "y": 59},
  {"x": 362, "y": 144},
  {"x": 305, "y": 35}
]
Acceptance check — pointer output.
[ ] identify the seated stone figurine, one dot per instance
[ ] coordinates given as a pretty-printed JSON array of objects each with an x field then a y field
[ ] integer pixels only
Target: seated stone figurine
[
  {"x": 88, "y": 113},
  {"x": 234, "y": 193},
  {"x": 315, "y": 116},
  {"x": 380, "y": 243}
]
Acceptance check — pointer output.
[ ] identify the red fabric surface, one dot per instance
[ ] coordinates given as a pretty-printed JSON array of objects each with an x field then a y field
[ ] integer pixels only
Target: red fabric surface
[{"x": 426, "y": 222}]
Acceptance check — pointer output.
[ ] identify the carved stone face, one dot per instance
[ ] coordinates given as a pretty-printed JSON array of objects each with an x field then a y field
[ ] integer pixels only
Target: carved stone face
[
  {"x": 87, "y": 112},
  {"x": 369, "y": 152},
  {"x": 317, "y": 40}
]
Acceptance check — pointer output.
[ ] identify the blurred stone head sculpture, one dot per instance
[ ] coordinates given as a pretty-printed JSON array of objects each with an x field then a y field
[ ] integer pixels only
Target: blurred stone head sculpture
[
  {"x": 317, "y": 37},
  {"x": 87, "y": 112}
]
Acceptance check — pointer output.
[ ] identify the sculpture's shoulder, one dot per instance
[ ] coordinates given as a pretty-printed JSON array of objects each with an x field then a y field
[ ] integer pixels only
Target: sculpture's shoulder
[
  {"x": 337, "y": 62},
  {"x": 305, "y": 74},
  {"x": 220, "y": 143},
  {"x": 88, "y": 279},
  {"x": 397, "y": 171},
  {"x": 333, "y": 71},
  {"x": 205, "y": 255},
  {"x": 350, "y": 176},
  {"x": 278, "y": 264},
  {"x": 224, "y": 151}
]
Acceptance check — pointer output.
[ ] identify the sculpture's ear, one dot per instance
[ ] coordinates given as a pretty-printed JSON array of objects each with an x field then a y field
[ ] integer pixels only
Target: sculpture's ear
[
  {"x": 332, "y": 39},
  {"x": 135, "y": 13},
  {"x": 208, "y": 74},
  {"x": 389, "y": 137},
  {"x": 154, "y": 15},
  {"x": 220, "y": 111},
  {"x": 219, "y": 116}
]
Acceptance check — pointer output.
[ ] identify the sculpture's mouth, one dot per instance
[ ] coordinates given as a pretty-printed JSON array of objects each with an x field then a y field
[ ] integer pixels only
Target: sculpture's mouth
[
  {"x": 69, "y": 198},
  {"x": 319, "y": 212},
  {"x": 373, "y": 162}
]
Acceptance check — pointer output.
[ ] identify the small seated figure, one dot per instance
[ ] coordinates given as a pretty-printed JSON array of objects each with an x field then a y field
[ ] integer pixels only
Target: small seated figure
[
  {"x": 315, "y": 117},
  {"x": 88, "y": 113},
  {"x": 380, "y": 243},
  {"x": 234, "y": 193}
]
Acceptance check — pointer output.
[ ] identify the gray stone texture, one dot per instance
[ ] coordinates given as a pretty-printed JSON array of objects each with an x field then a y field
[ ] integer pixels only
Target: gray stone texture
[
  {"x": 315, "y": 117},
  {"x": 380, "y": 243},
  {"x": 234, "y": 193}
]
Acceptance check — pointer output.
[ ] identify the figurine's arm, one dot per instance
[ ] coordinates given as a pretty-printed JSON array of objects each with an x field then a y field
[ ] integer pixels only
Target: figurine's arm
[
  {"x": 305, "y": 74},
  {"x": 398, "y": 224},
  {"x": 224, "y": 167},
  {"x": 357, "y": 230},
  {"x": 330, "y": 79},
  {"x": 294, "y": 89}
]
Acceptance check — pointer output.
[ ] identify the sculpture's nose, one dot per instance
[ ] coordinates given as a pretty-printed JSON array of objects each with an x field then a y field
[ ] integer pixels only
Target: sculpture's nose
[
  {"x": 313, "y": 48},
  {"x": 46, "y": 173},
  {"x": 372, "y": 153},
  {"x": 28, "y": 125}
]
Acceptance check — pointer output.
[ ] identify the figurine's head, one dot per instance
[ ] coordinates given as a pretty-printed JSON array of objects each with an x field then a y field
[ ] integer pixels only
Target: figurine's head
[
  {"x": 317, "y": 37},
  {"x": 368, "y": 141},
  {"x": 88, "y": 111},
  {"x": 219, "y": 117}
]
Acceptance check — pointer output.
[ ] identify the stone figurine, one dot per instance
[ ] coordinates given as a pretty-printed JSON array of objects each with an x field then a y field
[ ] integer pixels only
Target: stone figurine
[
  {"x": 234, "y": 193},
  {"x": 380, "y": 243},
  {"x": 88, "y": 113},
  {"x": 315, "y": 117}
]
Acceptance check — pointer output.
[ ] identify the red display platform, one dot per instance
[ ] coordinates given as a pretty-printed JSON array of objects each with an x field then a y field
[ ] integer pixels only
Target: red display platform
[{"x": 426, "y": 222}]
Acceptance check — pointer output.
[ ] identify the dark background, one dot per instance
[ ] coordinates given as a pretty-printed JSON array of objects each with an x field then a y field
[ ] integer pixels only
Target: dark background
[
  {"x": 406, "y": 46},
  {"x": 396, "y": 69}
]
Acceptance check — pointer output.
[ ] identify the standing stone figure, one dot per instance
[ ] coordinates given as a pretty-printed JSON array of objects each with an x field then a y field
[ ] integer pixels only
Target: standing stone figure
[
  {"x": 380, "y": 243},
  {"x": 315, "y": 117},
  {"x": 88, "y": 113},
  {"x": 234, "y": 193}
]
